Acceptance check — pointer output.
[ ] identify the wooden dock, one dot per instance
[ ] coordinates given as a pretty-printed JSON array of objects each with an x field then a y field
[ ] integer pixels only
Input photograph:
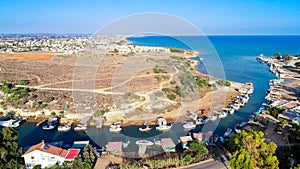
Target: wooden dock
[{"x": 40, "y": 123}]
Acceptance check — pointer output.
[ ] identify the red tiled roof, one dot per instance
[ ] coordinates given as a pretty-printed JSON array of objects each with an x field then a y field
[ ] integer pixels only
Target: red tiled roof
[
  {"x": 290, "y": 105},
  {"x": 286, "y": 116},
  {"x": 197, "y": 135},
  {"x": 72, "y": 154},
  {"x": 48, "y": 149}
]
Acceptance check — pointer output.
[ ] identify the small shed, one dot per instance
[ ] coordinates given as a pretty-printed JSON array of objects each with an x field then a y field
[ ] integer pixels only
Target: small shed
[
  {"x": 198, "y": 136},
  {"x": 115, "y": 147},
  {"x": 184, "y": 140},
  {"x": 168, "y": 145}
]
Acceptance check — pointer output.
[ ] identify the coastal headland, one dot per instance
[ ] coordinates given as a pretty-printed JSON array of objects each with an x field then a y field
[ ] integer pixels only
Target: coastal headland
[{"x": 132, "y": 83}]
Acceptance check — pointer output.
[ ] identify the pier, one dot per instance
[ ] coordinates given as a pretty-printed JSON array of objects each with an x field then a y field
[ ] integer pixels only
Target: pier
[{"x": 42, "y": 122}]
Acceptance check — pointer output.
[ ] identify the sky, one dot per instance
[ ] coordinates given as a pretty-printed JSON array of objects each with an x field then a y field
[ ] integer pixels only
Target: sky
[{"x": 216, "y": 17}]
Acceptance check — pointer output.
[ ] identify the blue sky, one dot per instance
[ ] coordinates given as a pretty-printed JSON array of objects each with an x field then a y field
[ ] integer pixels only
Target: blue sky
[{"x": 216, "y": 17}]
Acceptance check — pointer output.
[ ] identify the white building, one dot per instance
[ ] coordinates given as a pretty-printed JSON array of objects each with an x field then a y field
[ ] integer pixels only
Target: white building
[{"x": 47, "y": 155}]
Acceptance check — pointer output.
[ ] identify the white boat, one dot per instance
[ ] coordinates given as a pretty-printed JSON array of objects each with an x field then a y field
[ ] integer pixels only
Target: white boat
[
  {"x": 237, "y": 128},
  {"x": 236, "y": 106},
  {"x": 9, "y": 123},
  {"x": 243, "y": 124},
  {"x": 228, "y": 132},
  {"x": 231, "y": 111},
  {"x": 189, "y": 126},
  {"x": 144, "y": 143},
  {"x": 51, "y": 124},
  {"x": 223, "y": 114},
  {"x": 215, "y": 138},
  {"x": 162, "y": 125},
  {"x": 80, "y": 127},
  {"x": 64, "y": 128},
  {"x": 251, "y": 119},
  {"x": 126, "y": 144},
  {"x": 157, "y": 142},
  {"x": 115, "y": 128},
  {"x": 145, "y": 128},
  {"x": 212, "y": 118},
  {"x": 164, "y": 128},
  {"x": 201, "y": 121}
]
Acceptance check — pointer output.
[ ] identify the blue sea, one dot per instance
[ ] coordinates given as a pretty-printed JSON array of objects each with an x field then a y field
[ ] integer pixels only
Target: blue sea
[
  {"x": 226, "y": 57},
  {"x": 236, "y": 57}
]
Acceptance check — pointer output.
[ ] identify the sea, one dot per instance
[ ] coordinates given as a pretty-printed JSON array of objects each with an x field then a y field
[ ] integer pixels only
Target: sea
[{"x": 226, "y": 57}]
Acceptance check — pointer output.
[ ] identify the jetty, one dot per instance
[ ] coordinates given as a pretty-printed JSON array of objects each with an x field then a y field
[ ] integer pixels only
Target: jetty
[{"x": 41, "y": 122}]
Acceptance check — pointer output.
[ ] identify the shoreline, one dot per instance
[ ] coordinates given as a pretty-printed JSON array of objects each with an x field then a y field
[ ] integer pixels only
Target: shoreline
[{"x": 174, "y": 115}]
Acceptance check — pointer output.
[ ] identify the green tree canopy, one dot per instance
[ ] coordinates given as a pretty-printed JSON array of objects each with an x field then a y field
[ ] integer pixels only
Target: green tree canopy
[
  {"x": 251, "y": 145},
  {"x": 10, "y": 153},
  {"x": 297, "y": 64}
]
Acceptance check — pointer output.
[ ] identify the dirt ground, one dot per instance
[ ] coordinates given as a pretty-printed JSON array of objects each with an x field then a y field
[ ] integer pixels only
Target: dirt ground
[
  {"x": 12, "y": 57},
  {"x": 112, "y": 75},
  {"x": 105, "y": 160}
]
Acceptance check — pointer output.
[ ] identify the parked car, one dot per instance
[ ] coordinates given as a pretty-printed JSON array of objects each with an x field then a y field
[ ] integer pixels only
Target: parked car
[{"x": 280, "y": 131}]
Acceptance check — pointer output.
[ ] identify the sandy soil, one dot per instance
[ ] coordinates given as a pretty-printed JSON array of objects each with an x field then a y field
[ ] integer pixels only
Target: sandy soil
[{"x": 28, "y": 56}]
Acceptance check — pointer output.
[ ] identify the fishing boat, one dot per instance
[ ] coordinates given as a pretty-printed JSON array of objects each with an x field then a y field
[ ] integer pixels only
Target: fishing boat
[
  {"x": 145, "y": 128},
  {"x": 80, "y": 127},
  {"x": 231, "y": 111},
  {"x": 201, "y": 121},
  {"x": 212, "y": 118},
  {"x": 144, "y": 143},
  {"x": 222, "y": 140},
  {"x": 51, "y": 124},
  {"x": 223, "y": 114},
  {"x": 189, "y": 126},
  {"x": 162, "y": 125},
  {"x": 64, "y": 128},
  {"x": 236, "y": 106},
  {"x": 251, "y": 119},
  {"x": 237, "y": 128},
  {"x": 228, "y": 132},
  {"x": 215, "y": 138},
  {"x": 126, "y": 144},
  {"x": 116, "y": 127},
  {"x": 157, "y": 142}
]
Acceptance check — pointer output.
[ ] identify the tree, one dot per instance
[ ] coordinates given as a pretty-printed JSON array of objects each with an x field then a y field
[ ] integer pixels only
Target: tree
[
  {"x": 77, "y": 163},
  {"x": 277, "y": 55},
  {"x": 240, "y": 160},
  {"x": 253, "y": 143},
  {"x": 89, "y": 156},
  {"x": 297, "y": 64},
  {"x": 10, "y": 153},
  {"x": 287, "y": 57}
]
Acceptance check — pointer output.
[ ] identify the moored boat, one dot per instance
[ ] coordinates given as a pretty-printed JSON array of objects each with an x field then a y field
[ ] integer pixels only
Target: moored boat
[
  {"x": 80, "y": 127},
  {"x": 189, "y": 126},
  {"x": 223, "y": 114},
  {"x": 126, "y": 144},
  {"x": 228, "y": 132},
  {"x": 51, "y": 124},
  {"x": 157, "y": 142},
  {"x": 145, "y": 128},
  {"x": 162, "y": 125},
  {"x": 115, "y": 128},
  {"x": 215, "y": 138},
  {"x": 237, "y": 128},
  {"x": 144, "y": 143},
  {"x": 64, "y": 128}
]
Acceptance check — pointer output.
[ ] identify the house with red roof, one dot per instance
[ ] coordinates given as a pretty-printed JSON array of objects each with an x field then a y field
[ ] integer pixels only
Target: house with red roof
[{"x": 47, "y": 155}]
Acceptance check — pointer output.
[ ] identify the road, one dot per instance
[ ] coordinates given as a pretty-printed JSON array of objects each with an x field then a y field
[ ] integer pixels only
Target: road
[{"x": 221, "y": 163}]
